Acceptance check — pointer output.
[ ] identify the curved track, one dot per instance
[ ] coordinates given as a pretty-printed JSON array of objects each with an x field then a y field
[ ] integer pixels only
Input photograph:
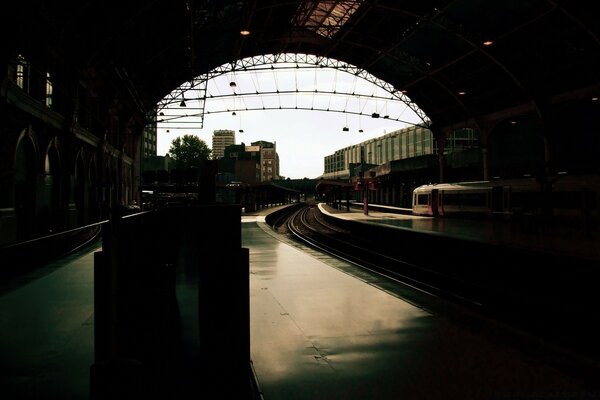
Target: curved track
[
  {"x": 548, "y": 326},
  {"x": 307, "y": 225}
]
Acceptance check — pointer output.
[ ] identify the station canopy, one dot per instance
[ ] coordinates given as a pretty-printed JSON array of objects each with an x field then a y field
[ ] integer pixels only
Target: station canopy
[{"x": 455, "y": 59}]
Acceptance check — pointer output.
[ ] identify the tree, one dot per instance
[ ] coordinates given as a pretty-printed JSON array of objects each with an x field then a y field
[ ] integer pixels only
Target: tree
[{"x": 189, "y": 151}]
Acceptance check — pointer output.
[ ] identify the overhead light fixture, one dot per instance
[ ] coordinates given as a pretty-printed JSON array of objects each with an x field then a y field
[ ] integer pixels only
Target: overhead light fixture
[
  {"x": 168, "y": 131},
  {"x": 161, "y": 113},
  {"x": 232, "y": 84},
  {"x": 375, "y": 115},
  {"x": 488, "y": 43},
  {"x": 345, "y": 129},
  {"x": 595, "y": 98},
  {"x": 461, "y": 93},
  {"x": 360, "y": 130},
  {"x": 241, "y": 131},
  {"x": 244, "y": 32},
  {"x": 233, "y": 113}
]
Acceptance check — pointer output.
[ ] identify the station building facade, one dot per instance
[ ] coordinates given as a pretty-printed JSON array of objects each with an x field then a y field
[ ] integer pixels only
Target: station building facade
[
  {"x": 397, "y": 162},
  {"x": 69, "y": 142}
]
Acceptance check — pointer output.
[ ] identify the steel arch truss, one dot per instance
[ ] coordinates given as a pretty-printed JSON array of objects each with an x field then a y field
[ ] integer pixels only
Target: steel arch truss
[{"x": 197, "y": 89}]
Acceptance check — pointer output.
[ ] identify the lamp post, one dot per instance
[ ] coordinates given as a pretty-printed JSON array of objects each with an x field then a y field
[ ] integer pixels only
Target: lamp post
[
  {"x": 362, "y": 187},
  {"x": 365, "y": 197}
]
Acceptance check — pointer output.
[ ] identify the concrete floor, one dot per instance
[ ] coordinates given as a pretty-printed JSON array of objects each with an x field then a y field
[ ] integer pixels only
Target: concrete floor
[
  {"x": 47, "y": 331},
  {"x": 320, "y": 329}
]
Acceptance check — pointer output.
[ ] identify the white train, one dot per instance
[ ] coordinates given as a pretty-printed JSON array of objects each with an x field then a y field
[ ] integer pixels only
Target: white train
[{"x": 564, "y": 196}]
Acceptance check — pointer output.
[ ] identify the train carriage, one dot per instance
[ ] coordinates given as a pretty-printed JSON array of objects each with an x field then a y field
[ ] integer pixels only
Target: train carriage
[{"x": 565, "y": 198}]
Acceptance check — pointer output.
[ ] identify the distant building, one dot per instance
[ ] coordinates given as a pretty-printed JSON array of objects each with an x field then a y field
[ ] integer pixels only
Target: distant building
[
  {"x": 256, "y": 163},
  {"x": 269, "y": 160},
  {"x": 220, "y": 140},
  {"x": 403, "y": 143},
  {"x": 157, "y": 163},
  {"x": 401, "y": 160},
  {"x": 242, "y": 162}
]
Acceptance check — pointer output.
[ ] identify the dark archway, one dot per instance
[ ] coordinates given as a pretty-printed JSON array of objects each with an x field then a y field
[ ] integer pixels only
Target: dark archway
[
  {"x": 51, "y": 212},
  {"x": 25, "y": 186}
]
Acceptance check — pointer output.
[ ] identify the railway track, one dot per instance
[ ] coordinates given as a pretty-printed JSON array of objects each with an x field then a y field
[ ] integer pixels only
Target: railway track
[
  {"x": 537, "y": 329},
  {"x": 307, "y": 225}
]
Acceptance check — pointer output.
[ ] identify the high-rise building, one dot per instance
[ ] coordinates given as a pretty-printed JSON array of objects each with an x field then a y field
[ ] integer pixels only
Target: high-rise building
[{"x": 220, "y": 140}]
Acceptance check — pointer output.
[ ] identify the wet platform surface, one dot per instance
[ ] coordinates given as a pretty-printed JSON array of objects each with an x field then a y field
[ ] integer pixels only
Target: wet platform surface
[
  {"x": 322, "y": 329},
  {"x": 47, "y": 331},
  {"x": 566, "y": 240}
]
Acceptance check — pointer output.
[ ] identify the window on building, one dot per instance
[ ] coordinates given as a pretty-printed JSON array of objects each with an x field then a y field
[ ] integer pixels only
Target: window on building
[
  {"x": 461, "y": 139},
  {"x": 22, "y": 76},
  {"x": 48, "y": 90}
]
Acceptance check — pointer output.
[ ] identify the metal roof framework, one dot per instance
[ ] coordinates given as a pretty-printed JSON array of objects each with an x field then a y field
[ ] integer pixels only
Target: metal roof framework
[
  {"x": 197, "y": 91},
  {"x": 457, "y": 60}
]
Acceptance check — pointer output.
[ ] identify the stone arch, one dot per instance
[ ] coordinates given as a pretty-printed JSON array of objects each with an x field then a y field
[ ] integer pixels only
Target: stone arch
[
  {"x": 52, "y": 201},
  {"x": 25, "y": 183}
]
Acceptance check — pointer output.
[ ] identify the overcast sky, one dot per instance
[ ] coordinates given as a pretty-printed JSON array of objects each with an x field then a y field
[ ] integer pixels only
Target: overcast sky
[{"x": 303, "y": 137}]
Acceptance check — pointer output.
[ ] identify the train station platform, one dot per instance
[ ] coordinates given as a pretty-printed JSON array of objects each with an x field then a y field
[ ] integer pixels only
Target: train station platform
[
  {"x": 47, "y": 330},
  {"x": 323, "y": 329},
  {"x": 563, "y": 240},
  {"x": 320, "y": 329}
]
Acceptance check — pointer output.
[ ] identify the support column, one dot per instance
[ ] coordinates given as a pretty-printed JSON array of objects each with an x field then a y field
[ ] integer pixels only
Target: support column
[{"x": 486, "y": 169}]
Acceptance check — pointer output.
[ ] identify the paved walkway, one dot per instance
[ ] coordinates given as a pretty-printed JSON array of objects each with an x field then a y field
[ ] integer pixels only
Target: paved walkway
[
  {"x": 570, "y": 241},
  {"x": 322, "y": 329},
  {"x": 47, "y": 331}
]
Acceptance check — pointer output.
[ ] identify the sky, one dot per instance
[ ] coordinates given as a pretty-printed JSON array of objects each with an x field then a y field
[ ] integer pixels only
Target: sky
[{"x": 303, "y": 137}]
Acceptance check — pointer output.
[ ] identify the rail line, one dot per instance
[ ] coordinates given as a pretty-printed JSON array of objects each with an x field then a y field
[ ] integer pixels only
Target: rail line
[
  {"x": 306, "y": 226},
  {"x": 527, "y": 322}
]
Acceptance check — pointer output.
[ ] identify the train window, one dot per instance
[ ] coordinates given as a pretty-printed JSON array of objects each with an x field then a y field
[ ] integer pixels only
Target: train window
[
  {"x": 465, "y": 199},
  {"x": 422, "y": 199}
]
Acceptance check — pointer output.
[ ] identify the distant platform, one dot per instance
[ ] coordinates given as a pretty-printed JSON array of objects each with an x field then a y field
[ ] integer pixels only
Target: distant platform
[{"x": 571, "y": 241}]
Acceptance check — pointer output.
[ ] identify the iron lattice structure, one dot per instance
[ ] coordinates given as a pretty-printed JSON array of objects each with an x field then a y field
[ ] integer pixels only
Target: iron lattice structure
[{"x": 196, "y": 90}]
